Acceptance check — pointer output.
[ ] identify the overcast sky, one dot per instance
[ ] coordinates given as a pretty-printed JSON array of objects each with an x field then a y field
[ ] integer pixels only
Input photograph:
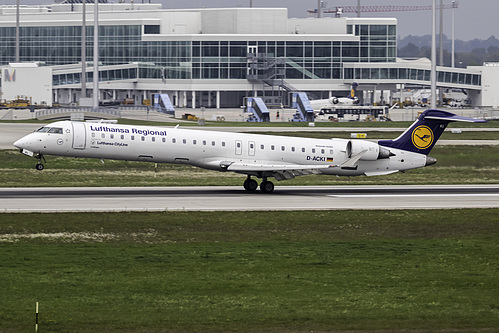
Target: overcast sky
[{"x": 473, "y": 18}]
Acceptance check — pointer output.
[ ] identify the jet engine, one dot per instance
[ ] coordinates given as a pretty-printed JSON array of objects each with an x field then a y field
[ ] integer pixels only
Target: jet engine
[{"x": 370, "y": 151}]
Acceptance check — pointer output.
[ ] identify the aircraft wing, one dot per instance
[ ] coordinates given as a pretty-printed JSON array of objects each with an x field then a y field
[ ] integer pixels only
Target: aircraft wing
[{"x": 278, "y": 171}]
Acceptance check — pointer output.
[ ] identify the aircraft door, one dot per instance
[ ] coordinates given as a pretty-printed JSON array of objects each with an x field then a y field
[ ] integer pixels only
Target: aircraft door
[
  {"x": 251, "y": 148},
  {"x": 239, "y": 147},
  {"x": 79, "y": 135}
]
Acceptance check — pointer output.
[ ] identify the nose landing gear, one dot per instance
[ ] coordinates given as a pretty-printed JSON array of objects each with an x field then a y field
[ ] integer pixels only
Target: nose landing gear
[{"x": 39, "y": 166}]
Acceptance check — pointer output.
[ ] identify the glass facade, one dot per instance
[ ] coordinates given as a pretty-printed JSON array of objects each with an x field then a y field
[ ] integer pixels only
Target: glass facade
[
  {"x": 221, "y": 59},
  {"x": 122, "y": 44},
  {"x": 404, "y": 74}
]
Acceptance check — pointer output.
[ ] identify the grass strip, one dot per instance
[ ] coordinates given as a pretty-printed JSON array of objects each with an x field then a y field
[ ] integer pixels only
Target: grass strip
[{"x": 237, "y": 272}]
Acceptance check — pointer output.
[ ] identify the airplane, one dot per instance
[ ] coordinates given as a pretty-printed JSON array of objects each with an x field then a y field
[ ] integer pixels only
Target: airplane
[
  {"x": 319, "y": 104},
  {"x": 254, "y": 155}
]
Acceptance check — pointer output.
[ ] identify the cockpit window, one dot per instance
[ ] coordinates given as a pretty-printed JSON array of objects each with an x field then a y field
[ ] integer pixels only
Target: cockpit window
[
  {"x": 56, "y": 130},
  {"x": 43, "y": 129}
]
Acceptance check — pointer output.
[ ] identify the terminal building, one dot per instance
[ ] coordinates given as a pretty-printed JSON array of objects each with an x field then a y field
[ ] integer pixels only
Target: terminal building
[{"x": 213, "y": 58}]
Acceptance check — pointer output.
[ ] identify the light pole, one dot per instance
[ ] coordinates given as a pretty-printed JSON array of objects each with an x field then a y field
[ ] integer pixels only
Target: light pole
[
  {"x": 433, "y": 73},
  {"x": 17, "y": 32},
  {"x": 96, "y": 57},
  {"x": 453, "y": 59},
  {"x": 83, "y": 52}
]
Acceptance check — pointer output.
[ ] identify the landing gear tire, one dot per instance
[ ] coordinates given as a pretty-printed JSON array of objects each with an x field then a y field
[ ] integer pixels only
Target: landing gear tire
[
  {"x": 250, "y": 185},
  {"x": 267, "y": 187},
  {"x": 39, "y": 167}
]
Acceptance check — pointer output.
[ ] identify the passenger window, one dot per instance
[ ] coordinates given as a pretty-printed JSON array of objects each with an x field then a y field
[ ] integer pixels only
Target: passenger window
[
  {"x": 331, "y": 151},
  {"x": 112, "y": 136},
  {"x": 103, "y": 135},
  {"x": 132, "y": 137},
  {"x": 184, "y": 141},
  {"x": 163, "y": 139},
  {"x": 143, "y": 138},
  {"x": 272, "y": 147},
  {"x": 194, "y": 142},
  {"x": 153, "y": 139},
  {"x": 302, "y": 150},
  {"x": 322, "y": 151},
  {"x": 204, "y": 142},
  {"x": 283, "y": 148},
  {"x": 262, "y": 147},
  {"x": 223, "y": 143},
  {"x": 174, "y": 140},
  {"x": 238, "y": 145},
  {"x": 292, "y": 149},
  {"x": 93, "y": 135},
  {"x": 313, "y": 150},
  {"x": 122, "y": 137},
  {"x": 213, "y": 143}
]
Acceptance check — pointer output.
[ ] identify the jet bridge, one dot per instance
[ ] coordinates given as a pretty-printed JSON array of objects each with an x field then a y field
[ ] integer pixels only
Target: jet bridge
[
  {"x": 304, "y": 111},
  {"x": 257, "y": 110},
  {"x": 162, "y": 103}
]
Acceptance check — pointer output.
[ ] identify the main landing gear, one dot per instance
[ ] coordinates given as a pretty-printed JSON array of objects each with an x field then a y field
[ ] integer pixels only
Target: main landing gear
[
  {"x": 251, "y": 185},
  {"x": 39, "y": 166}
]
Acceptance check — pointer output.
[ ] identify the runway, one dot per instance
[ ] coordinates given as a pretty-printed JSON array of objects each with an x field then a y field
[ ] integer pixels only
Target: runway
[{"x": 234, "y": 198}]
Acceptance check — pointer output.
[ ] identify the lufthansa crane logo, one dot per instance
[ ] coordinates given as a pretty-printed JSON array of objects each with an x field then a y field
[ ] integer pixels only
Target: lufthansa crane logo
[{"x": 422, "y": 137}]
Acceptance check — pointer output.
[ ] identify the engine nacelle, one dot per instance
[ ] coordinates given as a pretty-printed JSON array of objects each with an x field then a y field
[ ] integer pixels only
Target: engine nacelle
[{"x": 373, "y": 150}]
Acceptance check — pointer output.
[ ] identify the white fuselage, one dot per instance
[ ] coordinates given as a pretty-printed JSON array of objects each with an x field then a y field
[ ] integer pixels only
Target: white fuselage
[{"x": 213, "y": 150}]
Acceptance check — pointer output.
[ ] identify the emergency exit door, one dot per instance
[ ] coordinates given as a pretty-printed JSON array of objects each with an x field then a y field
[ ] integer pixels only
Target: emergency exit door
[{"x": 79, "y": 135}]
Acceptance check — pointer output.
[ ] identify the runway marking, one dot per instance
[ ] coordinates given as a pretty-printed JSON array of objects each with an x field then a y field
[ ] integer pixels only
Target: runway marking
[{"x": 412, "y": 195}]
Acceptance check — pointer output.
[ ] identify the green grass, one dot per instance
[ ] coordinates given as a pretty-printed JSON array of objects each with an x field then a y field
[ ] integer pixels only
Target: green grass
[
  {"x": 430, "y": 271},
  {"x": 456, "y": 165}
]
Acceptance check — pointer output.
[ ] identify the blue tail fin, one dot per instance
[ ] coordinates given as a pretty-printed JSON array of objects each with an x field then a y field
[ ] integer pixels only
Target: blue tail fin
[{"x": 426, "y": 130}]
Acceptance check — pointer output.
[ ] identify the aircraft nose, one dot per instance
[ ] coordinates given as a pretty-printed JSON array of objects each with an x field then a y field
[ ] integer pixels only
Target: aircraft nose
[{"x": 22, "y": 143}]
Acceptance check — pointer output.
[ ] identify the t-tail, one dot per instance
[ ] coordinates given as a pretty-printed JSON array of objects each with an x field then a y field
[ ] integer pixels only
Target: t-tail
[
  {"x": 353, "y": 91},
  {"x": 424, "y": 133}
]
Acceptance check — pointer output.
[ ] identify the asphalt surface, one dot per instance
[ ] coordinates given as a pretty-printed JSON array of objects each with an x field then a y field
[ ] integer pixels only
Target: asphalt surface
[{"x": 234, "y": 198}]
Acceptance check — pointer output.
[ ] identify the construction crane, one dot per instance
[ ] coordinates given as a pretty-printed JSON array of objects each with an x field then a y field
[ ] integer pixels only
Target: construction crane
[{"x": 376, "y": 9}]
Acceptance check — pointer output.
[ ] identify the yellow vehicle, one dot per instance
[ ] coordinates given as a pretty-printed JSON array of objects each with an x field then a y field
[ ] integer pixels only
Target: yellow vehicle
[
  {"x": 20, "y": 102},
  {"x": 128, "y": 101},
  {"x": 188, "y": 116}
]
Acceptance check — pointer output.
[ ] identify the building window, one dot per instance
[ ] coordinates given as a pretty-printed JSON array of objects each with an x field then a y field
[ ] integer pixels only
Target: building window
[{"x": 151, "y": 29}]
